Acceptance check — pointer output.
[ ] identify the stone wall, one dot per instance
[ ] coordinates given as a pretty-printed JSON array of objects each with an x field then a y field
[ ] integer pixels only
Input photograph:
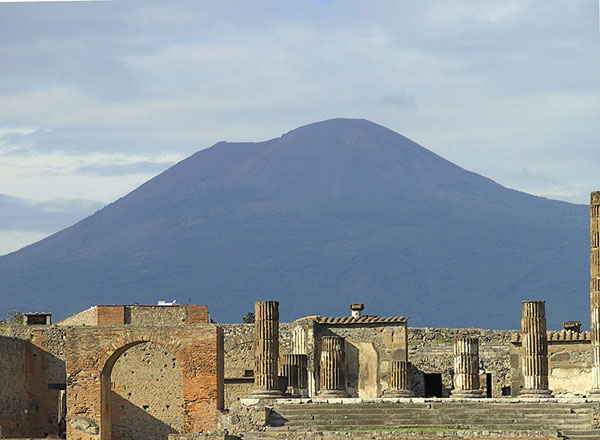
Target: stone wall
[
  {"x": 369, "y": 350},
  {"x": 86, "y": 317},
  {"x": 146, "y": 394},
  {"x": 12, "y": 386},
  {"x": 569, "y": 366},
  {"x": 239, "y": 358},
  {"x": 139, "y": 315},
  {"x": 93, "y": 352},
  {"x": 32, "y": 370},
  {"x": 430, "y": 351}
]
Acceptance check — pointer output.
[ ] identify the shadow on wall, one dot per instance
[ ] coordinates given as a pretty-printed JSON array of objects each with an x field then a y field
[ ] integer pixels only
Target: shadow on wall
[
  {"x": 352, "y": 369},
  {"x": 30, "y": 390},
  {"x": 138, "y": 423}
]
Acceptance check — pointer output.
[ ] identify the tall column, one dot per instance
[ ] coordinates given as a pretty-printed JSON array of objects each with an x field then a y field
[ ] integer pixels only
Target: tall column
[
  {"x": 535, "y": 350},
  {"x": 332, "y": 364},
  {"x": 466, "y": 368},
  {"x": 595, "y": 291},
  {"x": 400, "y": 380},
  {"x": 266, "y": 349}
]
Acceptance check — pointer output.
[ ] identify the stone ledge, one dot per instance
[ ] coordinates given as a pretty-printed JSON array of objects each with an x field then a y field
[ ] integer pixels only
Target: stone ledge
[
  {"x": 445, "y": 401},
  {"x": 367, "y": 435}
]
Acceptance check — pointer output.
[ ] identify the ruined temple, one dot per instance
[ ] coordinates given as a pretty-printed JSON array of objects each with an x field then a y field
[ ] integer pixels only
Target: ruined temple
[{"x": 167, "y": 371}]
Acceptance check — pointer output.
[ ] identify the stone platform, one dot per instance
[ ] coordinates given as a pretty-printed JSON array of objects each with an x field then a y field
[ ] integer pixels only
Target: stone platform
[{"x": 429, "y": 418}]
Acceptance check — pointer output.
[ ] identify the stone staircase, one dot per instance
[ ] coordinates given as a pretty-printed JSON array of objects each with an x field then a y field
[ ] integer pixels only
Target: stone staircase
[{"x": 569, "y": 419}]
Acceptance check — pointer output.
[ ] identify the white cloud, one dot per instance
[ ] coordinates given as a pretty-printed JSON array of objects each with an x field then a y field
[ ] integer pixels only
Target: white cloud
[
  {"x": 124, "y": 87},
  {"x": 11, "y": 241}
]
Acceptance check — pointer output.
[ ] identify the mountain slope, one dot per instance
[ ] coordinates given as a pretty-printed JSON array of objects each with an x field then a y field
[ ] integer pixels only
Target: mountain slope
[{"x": 333, "y": 212}]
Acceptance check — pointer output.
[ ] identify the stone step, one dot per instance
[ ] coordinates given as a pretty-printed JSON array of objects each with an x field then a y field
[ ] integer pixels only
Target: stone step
[
  {"x": 579, "y": 420},
  {"x": 590, "y": 434}
]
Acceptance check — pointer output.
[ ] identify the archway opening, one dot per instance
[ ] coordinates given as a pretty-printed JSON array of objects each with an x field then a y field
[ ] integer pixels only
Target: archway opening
[{"x": 142, "y": 394}]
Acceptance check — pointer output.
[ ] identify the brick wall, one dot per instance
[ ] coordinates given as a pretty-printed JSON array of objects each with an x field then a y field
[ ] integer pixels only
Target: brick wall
[
  {"x": 94, "y": 353},
  {"x": 197, "y": 314},
  {"x": 110, "y": 315}
]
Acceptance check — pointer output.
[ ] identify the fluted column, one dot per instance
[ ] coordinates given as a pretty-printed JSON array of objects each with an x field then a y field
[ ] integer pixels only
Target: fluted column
[
  {"x": 299, "y": 345},
  {"x": 595, "y": 291},
  {"x": 266, "y": 349},
  {"x": 400, "y": 380},
  {"x": 535, "y": 349},
  {"x": 466, "y": 368},
  {"x": 294, "y": 368},
  {"x": 332, "y": 371}
]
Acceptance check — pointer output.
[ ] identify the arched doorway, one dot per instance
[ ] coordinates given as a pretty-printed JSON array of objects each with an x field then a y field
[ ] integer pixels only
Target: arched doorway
[
  {"x": 91, "y": 354},
  {"x": 142, "y": 394}
]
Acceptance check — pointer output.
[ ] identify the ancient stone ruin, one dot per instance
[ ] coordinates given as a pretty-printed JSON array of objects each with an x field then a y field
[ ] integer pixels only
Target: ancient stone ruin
[{"x": 168, "y": 372}]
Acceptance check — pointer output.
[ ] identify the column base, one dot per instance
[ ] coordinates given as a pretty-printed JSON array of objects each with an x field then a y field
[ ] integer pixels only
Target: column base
[
  {"x": 399, "y": 393},
  {"x": 594, "y": 394},
  {"x": 466, "y": 394},
  {"x": 292, "y": 392},
  {"x": 324, "y": 394},
  {"x": 266, "y": 394},
  {"x": 535, "y": 394}
]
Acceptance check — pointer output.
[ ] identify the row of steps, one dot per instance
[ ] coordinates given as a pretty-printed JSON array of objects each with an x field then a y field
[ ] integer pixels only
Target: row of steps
[{"x": 572, "y": 420}]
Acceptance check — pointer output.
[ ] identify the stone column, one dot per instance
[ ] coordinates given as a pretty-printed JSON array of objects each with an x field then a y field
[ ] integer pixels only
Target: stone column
[
  {"x": 595, "y": 291},
  {"x": 535, "y": 350},
  {"x": 300, "y": 352},
  {"x": 332, "y": 372},
  {"x": 299, "y": 341},
  {"x": 266, "y": 349},
  {"x": 466, "y": 368},
  {"x": 294, "y": 368},
  {"x": 400, "y": 380}
]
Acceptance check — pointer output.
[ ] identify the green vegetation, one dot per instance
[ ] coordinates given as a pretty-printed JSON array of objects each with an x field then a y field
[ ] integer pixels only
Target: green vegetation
[
  {"x": 248, "y": 318},
  {"x": 14, "y": 317}
]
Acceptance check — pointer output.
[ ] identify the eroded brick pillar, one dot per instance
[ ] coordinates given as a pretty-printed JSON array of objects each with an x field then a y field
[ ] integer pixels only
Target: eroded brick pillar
[
  {"x": 266, "y": 349},
  {"x": 400, "y": 380},
  {"x": 332, "y": 367},
  {"x": 466, "y": 368},
  {"x": 595, "y": 291},
  {"x": 535, "y": 350}
]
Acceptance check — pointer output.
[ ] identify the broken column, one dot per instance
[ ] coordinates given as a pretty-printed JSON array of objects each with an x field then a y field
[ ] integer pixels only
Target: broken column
[
  {"x": 535, "y": 350},
  {"x": 466, "y": 368},
  {"x": 294, "y": 368},
  {"x": 266, "y": 349},
  {"x": 595, "y": 291},
  {"x": 332, "y": 371},
  {"x": 400, "y": 380}
]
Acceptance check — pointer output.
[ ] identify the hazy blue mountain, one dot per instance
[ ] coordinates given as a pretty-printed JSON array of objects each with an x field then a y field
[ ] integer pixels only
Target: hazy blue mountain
[{"x": 334, "y": 212}]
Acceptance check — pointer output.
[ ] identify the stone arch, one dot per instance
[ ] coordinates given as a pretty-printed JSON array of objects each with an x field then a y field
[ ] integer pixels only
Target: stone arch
[
  {"x": 144, "y": 419},
  {"x": 92, "y": 352}
]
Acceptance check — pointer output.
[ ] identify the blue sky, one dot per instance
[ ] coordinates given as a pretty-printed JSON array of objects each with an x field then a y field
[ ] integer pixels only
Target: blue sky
[{"x": 97, "y": 97}]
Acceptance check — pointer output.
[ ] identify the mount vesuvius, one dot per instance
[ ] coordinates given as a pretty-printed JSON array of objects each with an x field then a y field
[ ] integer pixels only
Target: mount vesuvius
[{"x": 330, "y": 213}]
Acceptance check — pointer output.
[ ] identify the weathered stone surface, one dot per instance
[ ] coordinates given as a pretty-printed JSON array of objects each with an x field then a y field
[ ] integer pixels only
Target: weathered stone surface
[
  {"x": 92, "y": 352},
  {"x": 466, "y": 367},
  {"x": 332, "y": 367},
  {"x": 400, "y": 379},
  {"x": 266, "y": 348},
  {"x": 595, "y": 290},
  {"x": 85, "y": 425},
  {"x": 535, "y": 349}
]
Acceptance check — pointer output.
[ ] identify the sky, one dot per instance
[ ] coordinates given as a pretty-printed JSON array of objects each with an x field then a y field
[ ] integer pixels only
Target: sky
[{"x": 98, "y": 97}]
